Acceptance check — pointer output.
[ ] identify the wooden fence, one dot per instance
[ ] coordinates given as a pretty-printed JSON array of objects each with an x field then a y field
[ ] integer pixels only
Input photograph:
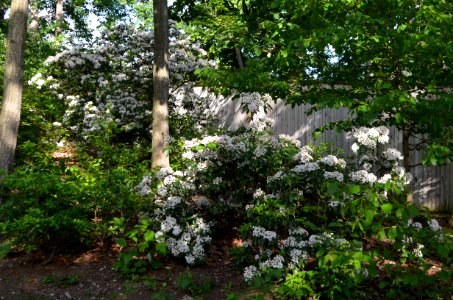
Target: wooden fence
[{"x": 432, "y": 186}]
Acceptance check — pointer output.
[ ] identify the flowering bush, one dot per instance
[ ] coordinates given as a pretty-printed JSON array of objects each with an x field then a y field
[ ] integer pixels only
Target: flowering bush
[
  {"x": 299, "y": 208},
  {"x": 108, "y": 83}
]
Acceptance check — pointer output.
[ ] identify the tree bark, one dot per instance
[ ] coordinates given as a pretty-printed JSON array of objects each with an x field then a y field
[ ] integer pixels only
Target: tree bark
[
  {"x": 407, "y": 160},
  {"x": 239, "y": 57},
  {"x": 13, "y": 83},
  {"x": 161, "y": 132},
  {"x": 406, "y": 151},
  {"x": 58, "y": 17}
]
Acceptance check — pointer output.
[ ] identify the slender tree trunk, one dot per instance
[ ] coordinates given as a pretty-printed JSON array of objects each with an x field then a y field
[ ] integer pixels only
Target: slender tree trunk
[
  {"x": 161, "y": 132},
  {"x": 406, "y": 151},
  {"x": 13, "y": 83},
  {"x": 58, "y": 17},
  {"x": 407, "y": 160},
  {"x": 239, "y": 58}
]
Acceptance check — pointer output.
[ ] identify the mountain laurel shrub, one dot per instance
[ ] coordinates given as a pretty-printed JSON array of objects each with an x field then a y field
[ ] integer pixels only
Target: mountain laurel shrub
[{"x": 325, "y": 225}]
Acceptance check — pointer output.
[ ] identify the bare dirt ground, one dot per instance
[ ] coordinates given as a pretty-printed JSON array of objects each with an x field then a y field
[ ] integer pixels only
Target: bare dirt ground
[{"x": 89, "y": 275}]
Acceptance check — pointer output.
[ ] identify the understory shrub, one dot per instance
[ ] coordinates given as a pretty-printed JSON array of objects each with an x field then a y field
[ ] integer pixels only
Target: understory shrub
[
  {"x": 324, "y": 225},
  {"x": 62, "y": 204}
]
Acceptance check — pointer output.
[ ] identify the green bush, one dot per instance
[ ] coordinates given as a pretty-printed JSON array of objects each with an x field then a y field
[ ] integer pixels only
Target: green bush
[{"x": 64, "y": 204}]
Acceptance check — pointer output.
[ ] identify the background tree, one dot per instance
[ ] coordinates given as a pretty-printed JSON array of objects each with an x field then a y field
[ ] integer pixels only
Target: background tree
[
  {"x": 389, "y": 62},
  {"x": 13, "y": 83},
  {"x": 161, "y": 132}
]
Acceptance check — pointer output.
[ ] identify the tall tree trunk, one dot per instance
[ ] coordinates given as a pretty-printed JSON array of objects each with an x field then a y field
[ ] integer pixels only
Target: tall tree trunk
[
  {"x": 237, "y": 51},
  {"x": 13, "y": 83},
  {"x": 407, "y": 160},
  {"x": 161, "y": 132},
  {"x": 58, "y": 17}
]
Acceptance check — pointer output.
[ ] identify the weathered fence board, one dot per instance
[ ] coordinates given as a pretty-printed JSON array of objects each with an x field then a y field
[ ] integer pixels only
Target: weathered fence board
[{"x": 432, "y": 186}]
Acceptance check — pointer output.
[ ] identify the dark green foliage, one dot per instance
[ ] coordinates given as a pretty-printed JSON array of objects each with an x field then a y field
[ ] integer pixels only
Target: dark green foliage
[
  {"x": 142, "y": 248},
  {"x": 65, "y": 204},
  {"x": 389, "y": 62}
]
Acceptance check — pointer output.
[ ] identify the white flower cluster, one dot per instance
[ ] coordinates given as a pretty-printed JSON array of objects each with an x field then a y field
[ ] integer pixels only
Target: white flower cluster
[
  {"x": 370, "y": 137},
  {"x": 298, "y": 231},
  {"x": 115, "y": 72},
  {"x": 277, "y": 176},
  {"x": 250, "y": 272},
  {"x": 305, "y": 155},
  {"x": 143, "y": 187},
  {"x": 276, "y": 262},
  {"x": 418, "y": 250},
  {"x": 260, "y": 121},
  {"x": 332, "y": 160},
  {"x": 252, "y": 102},
  {"x": 362, "y": 176},
  {"x": 286, "y": 139},
  {"x": 362, "y": 271},
  {"x": 188, "y": 242},
  {"x": 391, "y": 154},
  {"x": 261, "y": 232},
  {"x": 293, "y": 251},
  {"x": 333, "y": 203},
  {"x": 39, "y": 81},
  {"x": 385, "y": 178},
  {"x": 434, "y": 225},
  {"x": 335, "y": 175},
  {"x": 258, "y": 194},
  {"x": 260, "y": 151},
  {"x": 163, "y": 172},
  {"x": 307, "y": 167}
]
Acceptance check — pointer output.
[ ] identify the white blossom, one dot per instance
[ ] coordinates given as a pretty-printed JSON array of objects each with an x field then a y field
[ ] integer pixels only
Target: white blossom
[
  {"x": 260, "y": 232},
  {"x": 250, "y": 272},
  {"x": 334, "y": 175},
  {"x": 362, "y": 176},
  {"x": 434, "y": 225}
]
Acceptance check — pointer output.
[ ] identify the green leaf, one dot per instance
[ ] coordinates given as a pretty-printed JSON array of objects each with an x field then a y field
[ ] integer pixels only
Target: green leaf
[
  {"x": 387, "y": 208},
  {"x": 161, "y": 248},
  {"x": 143, "y": 246},
  {"x": 392, "y": 233},
  {"x": 122, "y": 242},
  {"x": 354, "y": 189},
  {"x": 5, "y": 247},
  {"x": 382, "y": 235},
  {"x": 284, "y": 53},
  {"x": 149, "y": 236},
  {"x": 412, "y": 211},
  {"x": 332, "y": 187},
  {"x": 369, "y": 216},
  {"x": 443, "y": 251},
  {"x": 398, "y": 118}
]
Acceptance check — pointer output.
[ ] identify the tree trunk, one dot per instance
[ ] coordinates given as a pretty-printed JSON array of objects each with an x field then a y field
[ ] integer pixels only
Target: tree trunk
[
  {"x": 407, "y": 160},
  {"x": 13, "y": 83},
  {"x": 406, "y": 151},
  {"x": 161, "y": 132},
  {"x": 58, "y": 17},
  {"x": 239, "y": 58}
]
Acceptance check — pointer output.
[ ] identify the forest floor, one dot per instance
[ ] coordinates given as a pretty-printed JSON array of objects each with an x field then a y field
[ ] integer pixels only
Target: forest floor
[{"x": 89, "y": 275}]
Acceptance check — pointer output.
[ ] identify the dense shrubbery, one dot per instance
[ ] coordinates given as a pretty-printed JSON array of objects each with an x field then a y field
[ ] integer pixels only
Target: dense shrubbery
[
  {"x": 59, "y": 204},
  {"x": 320, "y": 225},
  {"x": 329, "y": 227}
]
